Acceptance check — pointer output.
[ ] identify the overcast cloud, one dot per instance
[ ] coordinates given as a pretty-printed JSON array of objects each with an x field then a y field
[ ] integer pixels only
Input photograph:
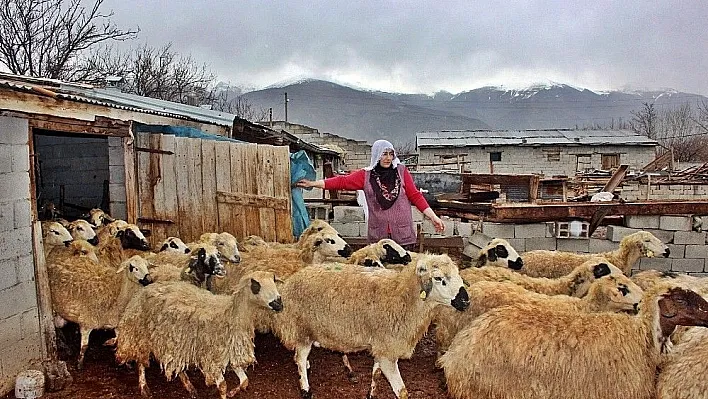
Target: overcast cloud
[{"x": 415, "y": 46}]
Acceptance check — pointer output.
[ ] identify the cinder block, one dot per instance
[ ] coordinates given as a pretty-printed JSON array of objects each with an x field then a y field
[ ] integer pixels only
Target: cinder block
[
  {"x": 519, "y": 244},
  {"x": 116, "y": 174},
  {"x": 23, "y": 210},
  {"x": 348, "y": 214},
  {"x": 17, "y": 299},
  {"x": 7, "y": 216},
  {"x": 16, "y": 243},
  {"x": 696, "y": 252},
  {"x": 14, "y": 130},
  {"x": 617, "y": 233},
  {"x": 642, "y": 221},
  {"x": 118, "y": 210},
  {"x": 8, "y": 273},
  {"x": 116, "y": 192},
  {"x": 676, "y": 251},
  {"x": 5, "y": 158},
  {"x": 20, "y": 158},
  {"x": 530, "y": 230},
  {"x": 538, "y": 243},
  {"x": 29, "y": 322},
  {"x": 347, "y": 229},
  {"x": 471, "y": 251},
  {"x": 676, "y": 223},
  {"x": 21, "y": 354},
  {"x": 498, "y": 230},
  {"x": 429, "y": 227},
  {"x": 464, "y": 229},
  {"x": 578, "y": 245},
  {"x": 479, "y": 239},
  {"x": 10, "y": 330},
  {"x": 417, "y": 215},
  {"x": 14, "y": 186},
  {"x": 665, "y": 236},
  {"x": 363, "y": 229},
  {"x": 662, "y": 264},
  {"x": 597, "y": 246},
  {"x": 688, "y": 265},
  {"x": 689, "y": 238}
]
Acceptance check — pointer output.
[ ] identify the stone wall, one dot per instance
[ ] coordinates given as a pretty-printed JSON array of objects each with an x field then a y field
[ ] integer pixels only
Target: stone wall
[
  {"x": 635, "y": 191},
  {"x": 20, "y": 341}
]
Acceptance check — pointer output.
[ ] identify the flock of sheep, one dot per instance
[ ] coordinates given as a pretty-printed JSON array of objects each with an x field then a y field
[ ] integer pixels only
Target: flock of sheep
[{"x": 545, "y": 325}]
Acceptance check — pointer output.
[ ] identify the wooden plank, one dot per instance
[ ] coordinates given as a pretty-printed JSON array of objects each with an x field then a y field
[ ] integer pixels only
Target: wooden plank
[
  {"x": 131, "y": 194},
  {"x": 238, "y": 212},
  {"x": 196, "y": 225},
  {"x": 143, "y": 179},
  {"x": 158, "y": 230},
  {"x": 166, "y": 190},
  {"x": 264, "y": 185},
  {"x": 44, "y": 296},
  {"x": 223, "y": 183},
  {"x": 250, "y": 166},
  {"x": 567, "y": 211},
  {"x": 261, "y": 202},
  {"x": 182, "y": 165},
  {"x": 210, "y": 217},
  {"x": 482, "y": 178},
  {"x": 281, "y": 186}
]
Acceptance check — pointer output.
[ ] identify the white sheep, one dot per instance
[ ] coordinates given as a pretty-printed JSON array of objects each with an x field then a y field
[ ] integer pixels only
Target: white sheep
[
  {"x": 378, "y": 254},
  {"x": 613, "y": 293},
  {"x": 499, "y": 253},
  {"x": 554, "y": 352},
  {"x": 94, "y": 296},
  {"x": 349, "y": 308},
  {"x": 182, "y": 326},
  {"x": 77, "y": 248},
  {"x": 82, "y": 230},
  {"x": 174, "y": 244},
  {"x": 683, "y": 371},
  {"x": 97, "y": 217},
  {"x": 224, "y": 242},
  {"x": 54, "y": 235},
  {"x": 544, "y": 263},
  {"x": 648, "y": 278}
]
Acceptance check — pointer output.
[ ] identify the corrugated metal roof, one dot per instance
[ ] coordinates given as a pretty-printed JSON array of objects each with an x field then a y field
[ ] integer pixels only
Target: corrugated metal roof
[{"x": 478, "y": 138}]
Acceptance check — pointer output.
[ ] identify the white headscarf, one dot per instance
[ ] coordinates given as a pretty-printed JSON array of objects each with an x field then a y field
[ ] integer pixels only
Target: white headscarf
[{"x": 377, "y": 150}]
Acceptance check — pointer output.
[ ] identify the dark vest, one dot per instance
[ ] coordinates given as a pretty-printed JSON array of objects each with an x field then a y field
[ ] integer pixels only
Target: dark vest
[{"x": 398, "y": 218}]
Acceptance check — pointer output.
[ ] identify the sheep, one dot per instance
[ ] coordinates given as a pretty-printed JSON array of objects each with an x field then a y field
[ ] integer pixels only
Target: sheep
[
  {"x": 54, "y": 235},
  {"x": 198, "y": 267},
  {"x": 97, "y": 217},
  {"x": 182, "y": 326},
  {"x": 130, "y": 235},
  {"x": 316, "y": 226},
  {"x": 226, "y": 244},
  {"x": 500, "y": 253},
  {"x": 552, "y": 264},
  {"x": 82, "y": 230},
  {"x": 252, "y": 242},
  {"x": 614, "y": 293},
  {"x": 77, "y": 248},
  {"x": 683, "y": 370},
  {"x": 174, "y": 244},
  {"x": 95, "y": 296},
  {"x": 384, "y": 251},
  {"x": 556, "y": 352},
  {"x": 648, "y": 278},
  {"x": 575, "y": 284},
  {"x": 347, "y": 308}
]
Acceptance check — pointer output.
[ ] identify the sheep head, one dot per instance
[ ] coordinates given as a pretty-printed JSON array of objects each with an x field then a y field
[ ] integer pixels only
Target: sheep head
[
  {"x": 205, "y": 262},
  {"x": 681, "y": 307},
  {"x": 647, "y": 243},
  {"x": 393, "y": 253},
  {"x": 225, "y": 243},
  {"x": 499, "y": 253},
  {"x": 97, "y": 217},
  {"x": 82, "y": 230},
  {"x": 263, "y": 288},
  {"x": 82, "y": 248},
  {"x": 328, "y": 245},
  {"x": 592, "y": 269},
  {"x": 131, "y": 237},
  {"x": 440, "y": 281},
  {"x": 617, "y": 293},
  {"x": 54, "y": 234},
  {"x": 175, "y": 245},
  {"x": 137, "y": 269}
]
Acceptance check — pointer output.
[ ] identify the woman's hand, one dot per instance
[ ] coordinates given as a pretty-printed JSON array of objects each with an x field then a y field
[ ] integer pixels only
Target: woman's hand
[
  {"x": 439, "y": 225},
  {"x": 304, "y": 183}
]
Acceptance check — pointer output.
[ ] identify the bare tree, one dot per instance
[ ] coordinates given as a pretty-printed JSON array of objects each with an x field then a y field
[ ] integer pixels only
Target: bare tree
[
  {"x": 239, "y": 106},
  {"x": 679, "y": 130},
  {"x": 644, "y": 121},
  {"x": 43, "y": 38}
]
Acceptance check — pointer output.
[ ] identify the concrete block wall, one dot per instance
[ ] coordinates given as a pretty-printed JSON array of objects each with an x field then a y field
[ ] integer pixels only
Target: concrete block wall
[
  {"x": 636, "y": 191},
  {"x": 20, "y": 342}
]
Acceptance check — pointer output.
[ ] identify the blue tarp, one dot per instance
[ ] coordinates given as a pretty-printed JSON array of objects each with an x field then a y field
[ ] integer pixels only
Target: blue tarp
[
  {"x": 180, "y": 131},
  {"x": 300, "y": 168}
]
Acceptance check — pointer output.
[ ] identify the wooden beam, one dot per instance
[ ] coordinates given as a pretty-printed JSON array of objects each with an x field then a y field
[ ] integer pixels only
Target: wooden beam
[
  {"x": 131, "y": 184},
  {"x": 568, "y": 211},
  {"x": 483, "y": 178},
  {"x": 259, "y": 201}
]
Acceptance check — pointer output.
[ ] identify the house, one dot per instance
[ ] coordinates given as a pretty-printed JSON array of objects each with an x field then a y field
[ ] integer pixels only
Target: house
[
  {"x": 547, "y": 152},
  {"x": 171, "y": 168}
]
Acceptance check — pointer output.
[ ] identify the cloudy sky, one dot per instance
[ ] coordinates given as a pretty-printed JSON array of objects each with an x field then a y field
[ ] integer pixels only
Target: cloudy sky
[{"x": 426, "y": 46}]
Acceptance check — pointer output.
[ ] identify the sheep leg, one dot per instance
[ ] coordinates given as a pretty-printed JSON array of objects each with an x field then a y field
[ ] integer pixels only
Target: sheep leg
[
  {"x": 221, "y": 385},
  {"x": 302, "y": 351},
  {"x": 374, "y": 374},
  {"x": 187, "y": 384},
  {"x": 393, "y": 375},
  {"x": 85, "y": 333},
  {"x": 243, "y": 382},
  {"x": 142, "y": 382},
  {"x": 350, "y": 373}
]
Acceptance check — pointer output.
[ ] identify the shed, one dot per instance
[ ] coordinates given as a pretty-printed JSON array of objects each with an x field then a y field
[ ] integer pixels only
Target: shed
[{"x": 547, "y": 152}]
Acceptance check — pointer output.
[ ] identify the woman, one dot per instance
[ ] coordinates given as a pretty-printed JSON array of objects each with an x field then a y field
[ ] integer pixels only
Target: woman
[{"x": 383, "y": 181}]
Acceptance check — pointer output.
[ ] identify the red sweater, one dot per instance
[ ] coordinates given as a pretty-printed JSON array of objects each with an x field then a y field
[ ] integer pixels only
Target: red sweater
[{"x": 355, "y": 181}]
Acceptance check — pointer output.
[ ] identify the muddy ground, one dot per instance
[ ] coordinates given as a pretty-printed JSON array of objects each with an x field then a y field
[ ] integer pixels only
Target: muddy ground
[{"x": 274, "y": 376}]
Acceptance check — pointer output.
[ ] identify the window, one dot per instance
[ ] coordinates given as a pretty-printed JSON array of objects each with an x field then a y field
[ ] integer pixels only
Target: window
[
  {"x": 584, "y": 163},
  {"x": 610, "y": 161},
  {"x": 553, "y": 156},
  {"x": 495, "y": 156}
]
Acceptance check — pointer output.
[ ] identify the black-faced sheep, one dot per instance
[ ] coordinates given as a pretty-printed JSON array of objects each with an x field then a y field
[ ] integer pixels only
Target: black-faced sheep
[
  {"x": 499, "y": 253},
  {"x": 95, "y": 296},
  {"x": 174, "y": 244},
  {"x": 552, "y": 264},
  {"x": 607, "y": 293},
  {"x": 551, "y": 352},
  {"x": 381, "y": 253},
  {"x": 182, "y": 326},
  {"x": 316, "y": 226},
  {"x": 198, "y": 267},
  {"x": 349, "y": 308}
]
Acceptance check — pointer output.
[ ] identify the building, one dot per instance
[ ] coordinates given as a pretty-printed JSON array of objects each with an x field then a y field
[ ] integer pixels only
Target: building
[{"x": 547, "y": 152}]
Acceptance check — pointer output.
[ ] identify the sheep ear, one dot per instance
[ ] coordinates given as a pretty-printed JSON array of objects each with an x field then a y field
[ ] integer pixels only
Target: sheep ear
[
  {"x": 146, "y": 232},
  {"x": 492, "y": 253},
  {"x": 164, "y": 247},
  {"x": 481, "y": 261},
  {"x": 202, "y": 253},
  {"x": 122, "y": 267},
  {"x": 278, "y": 280},
  {"x": 318, "y": 242},
  {"x": 120, "y": 233},
  {"x": 600, "y": 270},
  {"x": 255, "y": 287}
]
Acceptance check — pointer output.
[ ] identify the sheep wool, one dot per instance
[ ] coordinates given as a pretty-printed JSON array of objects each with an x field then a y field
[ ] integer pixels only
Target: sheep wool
[{"x": 683, "y": 372}]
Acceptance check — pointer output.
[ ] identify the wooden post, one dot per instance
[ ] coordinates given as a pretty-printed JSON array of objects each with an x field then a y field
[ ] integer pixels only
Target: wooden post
[
  {"x": 648, "y": 185},
  {"x": 421, "y": 238},
  {"x": 131, "y": 192}
]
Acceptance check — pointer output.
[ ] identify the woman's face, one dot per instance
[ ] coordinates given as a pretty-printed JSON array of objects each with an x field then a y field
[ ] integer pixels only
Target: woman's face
[{"x": 387, "y": 158}]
